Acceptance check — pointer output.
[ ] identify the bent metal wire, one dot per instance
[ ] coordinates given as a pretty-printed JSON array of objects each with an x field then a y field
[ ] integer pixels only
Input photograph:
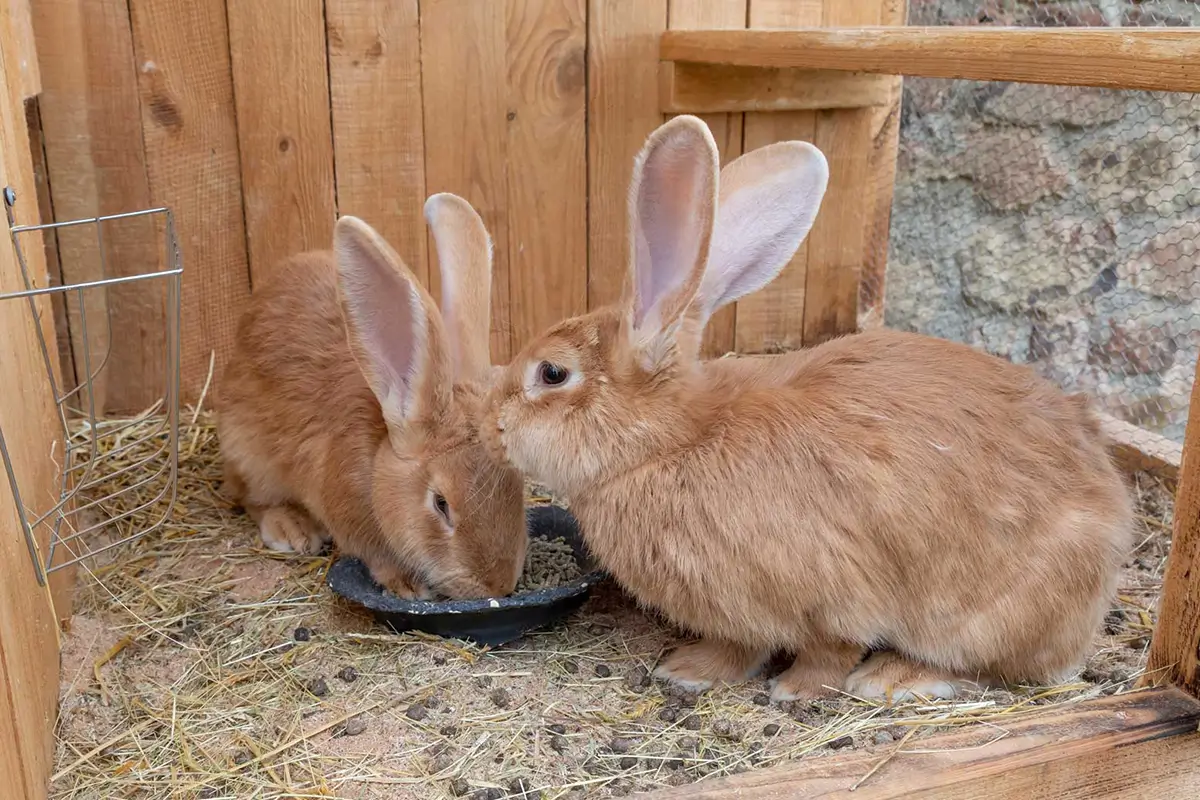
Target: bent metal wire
[{"x": 75, "y": 526}]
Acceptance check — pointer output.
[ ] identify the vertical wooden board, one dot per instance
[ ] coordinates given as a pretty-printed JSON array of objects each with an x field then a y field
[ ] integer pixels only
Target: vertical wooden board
[
  {"x": 182, "y": 51},
  {"x": 547, "y": 164},
  {"x": 378, "y": 139},
  {"x": 96, "y": 165},
  {"x": 27, "y": 59},
  {"x": 623, "y": 109},
  {"x": 281, "y": 89},
  {"x": 885, "y": 144},
  {"x": 726, "y": 129},
  {"x": 772, "y": 319},
  {"x": 60, "y": 32},
  {"x": 41, "y": 178},
  {"x": 28, "y": 639},
  {"x": 464, "y": 74},
  {"x": 1175, "y": 650},
  {"x": 62, "y": 582},
  {"x": 838, "y": 241}
]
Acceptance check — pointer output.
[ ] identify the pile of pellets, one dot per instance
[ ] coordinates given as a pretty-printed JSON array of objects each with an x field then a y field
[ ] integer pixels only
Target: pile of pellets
[{"x": 549, "y": 563}]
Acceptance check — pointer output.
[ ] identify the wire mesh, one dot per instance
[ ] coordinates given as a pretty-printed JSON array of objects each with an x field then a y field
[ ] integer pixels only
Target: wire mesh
[
  {"x": 1054, "y": 226},
  {"x": 138, "y": 456}
]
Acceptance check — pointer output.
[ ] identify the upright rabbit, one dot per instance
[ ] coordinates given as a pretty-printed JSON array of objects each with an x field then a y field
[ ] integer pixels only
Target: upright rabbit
[
  {"x": 350, "y": 410},
  {"x": 884, "y": 491}
]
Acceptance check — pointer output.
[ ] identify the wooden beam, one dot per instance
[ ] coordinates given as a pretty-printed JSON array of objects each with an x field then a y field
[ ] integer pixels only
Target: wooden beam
[
  {"x": 686, "y": 88},
  {"x": 464, "y": 75},
  {"x": 378, "y": 122},
  {"x": 284, "y": 128},
  {"x": 29, "y": 653},
  {"x": 622, "y": 110},
  {"x": 547, "y": 164},
  {"x": 192, "y": 162},
  {"x": 1166, "y": 59},
  {"x": 27, "y": 60},
  {"x": 1175, "y": 650},
  {"x": 772, "y": 319},
  {"x": 1139, "y": 450},
  {"x": 1137, "y": 746},
  {"x": 727, "y": 131}
]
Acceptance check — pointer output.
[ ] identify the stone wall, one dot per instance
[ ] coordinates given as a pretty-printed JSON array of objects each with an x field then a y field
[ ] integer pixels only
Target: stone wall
[{"x": 1055, "y": 226}]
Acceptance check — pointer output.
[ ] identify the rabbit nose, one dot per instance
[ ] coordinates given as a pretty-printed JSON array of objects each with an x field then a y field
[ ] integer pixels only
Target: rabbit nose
[{"x": 499, "y": 424}]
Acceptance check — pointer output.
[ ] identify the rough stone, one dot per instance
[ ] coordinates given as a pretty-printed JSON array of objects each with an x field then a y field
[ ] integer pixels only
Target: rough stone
[
  {"x": 1040, "y": 105},
  {"x": 1134, "y": 346},
  {"x": 1169, "y": 264},
  {"x": 1012, "y": 167}
]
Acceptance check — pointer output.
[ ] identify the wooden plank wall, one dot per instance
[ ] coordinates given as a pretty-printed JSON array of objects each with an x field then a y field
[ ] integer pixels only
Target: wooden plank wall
[
  {"x": 28, "y": 638},
  {"x": 259, "y": 123}
]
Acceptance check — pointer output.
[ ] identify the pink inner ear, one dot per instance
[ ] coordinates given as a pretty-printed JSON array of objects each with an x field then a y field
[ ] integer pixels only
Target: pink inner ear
[
  {"x": 675, "y": 179},
  {"x": 389, "y": 321}
]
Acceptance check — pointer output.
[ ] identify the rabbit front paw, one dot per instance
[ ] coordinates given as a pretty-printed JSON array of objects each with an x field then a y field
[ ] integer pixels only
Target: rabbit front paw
[
  {"x": 700, "y": 665},
  {"x": 289, "y": 530},
  {"x": 891, "y": 678},
  {"x": 816, "y": 672}
]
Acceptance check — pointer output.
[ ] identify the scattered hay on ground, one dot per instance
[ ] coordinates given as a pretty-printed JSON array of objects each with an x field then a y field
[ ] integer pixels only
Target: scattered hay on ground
[{"x": 199, "y": 665}]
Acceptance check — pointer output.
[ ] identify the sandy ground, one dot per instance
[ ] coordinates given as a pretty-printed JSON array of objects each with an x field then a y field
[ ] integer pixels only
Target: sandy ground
[{"x": 201, "y": 666}]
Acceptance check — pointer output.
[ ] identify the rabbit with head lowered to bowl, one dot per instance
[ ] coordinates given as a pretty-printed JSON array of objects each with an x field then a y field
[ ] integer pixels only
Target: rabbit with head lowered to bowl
[{"x": 350, "y": 412}]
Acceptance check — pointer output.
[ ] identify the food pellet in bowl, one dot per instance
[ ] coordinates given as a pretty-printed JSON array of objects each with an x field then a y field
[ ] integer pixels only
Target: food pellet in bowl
[{"x": 549, "y": 563}]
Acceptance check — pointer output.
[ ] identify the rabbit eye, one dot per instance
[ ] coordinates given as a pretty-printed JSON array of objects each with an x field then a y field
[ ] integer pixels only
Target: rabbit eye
[
  {"x": 441, "y": 506},
  {"x": 552, "y": 374}
]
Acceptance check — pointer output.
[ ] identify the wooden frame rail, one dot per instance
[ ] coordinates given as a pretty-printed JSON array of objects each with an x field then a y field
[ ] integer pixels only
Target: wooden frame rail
[
  {"x": 1166, "y": 59},
  {"x": 1137, "y": 746}
]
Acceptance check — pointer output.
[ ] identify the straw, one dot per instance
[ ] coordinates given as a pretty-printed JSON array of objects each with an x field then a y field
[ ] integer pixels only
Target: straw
[{"x": 199, "y": 664}]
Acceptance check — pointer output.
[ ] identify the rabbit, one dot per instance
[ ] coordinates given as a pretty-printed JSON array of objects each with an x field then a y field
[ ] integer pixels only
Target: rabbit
[
  {"x": 350, "y": 409},
  {"x": 906, "y": 516}
]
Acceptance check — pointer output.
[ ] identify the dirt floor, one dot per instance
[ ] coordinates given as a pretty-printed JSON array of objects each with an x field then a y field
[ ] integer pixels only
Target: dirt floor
[{"x": 200, "y": 666}]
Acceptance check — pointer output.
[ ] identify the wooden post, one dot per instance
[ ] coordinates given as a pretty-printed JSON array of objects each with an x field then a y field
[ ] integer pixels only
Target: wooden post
[
  {"x": 28, "y": 639},
  {"x": 1175, "y": 650}
]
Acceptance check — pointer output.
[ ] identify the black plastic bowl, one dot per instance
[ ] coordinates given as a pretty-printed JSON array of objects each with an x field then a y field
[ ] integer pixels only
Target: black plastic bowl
[{"x": 489, "y": 621}]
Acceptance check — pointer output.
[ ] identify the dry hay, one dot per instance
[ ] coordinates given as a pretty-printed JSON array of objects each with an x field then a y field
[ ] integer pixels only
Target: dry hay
[{"x": 200, "y": 665}]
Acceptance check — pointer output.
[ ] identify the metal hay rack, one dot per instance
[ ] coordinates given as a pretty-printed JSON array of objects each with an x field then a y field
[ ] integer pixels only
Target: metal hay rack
[{"x": 118, "y": 476}]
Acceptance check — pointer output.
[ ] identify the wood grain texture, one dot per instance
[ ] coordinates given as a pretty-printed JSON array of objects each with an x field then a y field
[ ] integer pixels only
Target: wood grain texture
[
  {"x": 281, "y": 88},
  {"x": 547, "y": 164},
  {"x": 726, "y": 128},
  {"x": 838, "y": 241},
  {"x": 1140, "y": 746},
  {"x": 62, "y": 29},
  {"x": 182, "y": 51},
  {"x": 772, "y": 319},
  {"x": 41, "y": 177},
  {"x": 28, "y": 638},
  {"x": 623, "y": 109},
  {"x": 1163, "y": 59},
  {"x": 1175, "y": 650},
  {"x": 885, "y": 147},
  {"x": 465, "y": 75},
  {"x": 26, "y": 48},
  {"x": 92, "y": 132},
  {"x": 62, "y": 581},
  {"x": 687, "y": 88},
  {"x": 378, "y": 136}
]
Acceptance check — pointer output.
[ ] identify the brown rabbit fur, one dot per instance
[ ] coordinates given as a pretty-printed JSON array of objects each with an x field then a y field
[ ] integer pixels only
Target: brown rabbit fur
[
  {"x": 350, "y": 411},
  {"x": 884, "y": 491}
]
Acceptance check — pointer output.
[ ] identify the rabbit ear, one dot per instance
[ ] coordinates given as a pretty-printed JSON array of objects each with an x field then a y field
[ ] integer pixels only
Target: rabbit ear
[
  {"x": 768, "y": 201},
  {"x": 393, "y": 326},
  {"x": 672, "y": 200},
  {"x": 464, "y": 252}
]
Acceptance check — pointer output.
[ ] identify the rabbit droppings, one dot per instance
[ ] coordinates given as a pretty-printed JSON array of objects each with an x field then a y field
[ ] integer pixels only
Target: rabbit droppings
[
  {"x": 885, "y": 491},
  {"x": 350, "y": 410}
]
